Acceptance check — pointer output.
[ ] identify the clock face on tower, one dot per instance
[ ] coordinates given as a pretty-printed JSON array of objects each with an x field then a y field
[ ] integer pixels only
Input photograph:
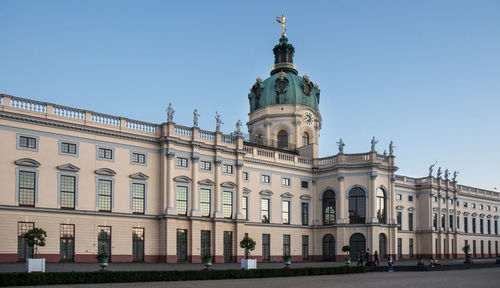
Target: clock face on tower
[{"x": 308, "y": 118}]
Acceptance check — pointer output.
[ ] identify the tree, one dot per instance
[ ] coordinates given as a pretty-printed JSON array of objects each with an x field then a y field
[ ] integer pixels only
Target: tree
[
  {"x": 346, "y": 249},
  {"x": 248, "y": 244},
  {"x": 35, "y": 237}
]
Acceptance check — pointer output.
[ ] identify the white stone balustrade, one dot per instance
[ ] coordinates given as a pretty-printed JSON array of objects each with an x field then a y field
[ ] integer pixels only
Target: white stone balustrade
[{"x": 62, "y": 111}]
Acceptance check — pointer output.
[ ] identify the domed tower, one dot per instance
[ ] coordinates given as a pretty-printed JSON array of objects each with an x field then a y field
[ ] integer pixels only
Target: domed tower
[{"x": 284, "y": 107}]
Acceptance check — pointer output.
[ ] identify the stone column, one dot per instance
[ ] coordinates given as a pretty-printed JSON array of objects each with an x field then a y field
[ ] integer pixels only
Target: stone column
[
  {"x": 239, "y": 189},
  {"x": 171, "y": 209},
  {"x": 217, "y": 190},
  {"x": 342, "y": 201},
  {"x": 195, "y": 197},
  {"x": 372, "y": 199}
]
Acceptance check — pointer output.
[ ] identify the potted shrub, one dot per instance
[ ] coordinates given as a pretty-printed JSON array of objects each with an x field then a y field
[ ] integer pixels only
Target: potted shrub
[
  {"x": 248, "y": 244},
  {"x": 347, "y": 249},
  {"x": 35, "y": 238},
  {"x": 287, "y": 259},
  {"x": 207, "y": 260},
  {"x": 102, "y": 257},
  {"x": 466, "y": 250}
]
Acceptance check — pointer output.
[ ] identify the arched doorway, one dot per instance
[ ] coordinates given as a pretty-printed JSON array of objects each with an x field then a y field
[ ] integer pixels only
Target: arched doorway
[
  {"x": 357, "y": 242},
  {"x": 328, "y": 247},
  {"x": 282, "y": 139},
  {"x": 382, "y": 246}
]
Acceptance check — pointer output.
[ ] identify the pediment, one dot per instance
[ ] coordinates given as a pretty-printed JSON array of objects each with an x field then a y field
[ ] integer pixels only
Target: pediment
[
  {"x": 474, "y": 214},
  {"x": 246, "y": 190},
  {"x": 489, "y": 216},
  {"x": 305, "y": 197},
  {"x": 206, "y": 182},
  {"x": 496, "y": 217},
  {"x": 139, "y": 176},
  {"x": 466, "y": 213},
  {"x": 481, "y": 216},
  {"x": 183, "y": 179},
  {"x": 400, "y": 207},
  {"x": 411, "y": 209},
  {"x": 228, "y": 184},
  {"x": 68, "y": 167},
  {"x": 27, "y": 162},
  {"x": 458, "y": 212},
  {"x": 266, "y": 193},
  {"x": 286, "y": 195},
  {"x": 451, "y": 211},
  {"x": 105, "y": 172},
  {"x": 435, "y": 209},
  {"x": 444, "y": 210}
]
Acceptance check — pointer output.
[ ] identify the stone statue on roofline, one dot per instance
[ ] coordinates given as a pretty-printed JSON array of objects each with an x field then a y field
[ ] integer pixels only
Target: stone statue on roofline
[
  {"x": 446, "y": 174},
  {"x": 218, "y": 122},
  {"x": 455, "y": 174},
  {"x": 439, "y": 172},
  {"x": 431, "y": 168},
  {"x": 391, "y": 148},
  {"x": 374, "y": 142},
  {"x": 238, "y": 127},
  {"x": 170, "y": 113},
  {"x": 341, "y": 145},
  {"x": 195, "y": 117}
]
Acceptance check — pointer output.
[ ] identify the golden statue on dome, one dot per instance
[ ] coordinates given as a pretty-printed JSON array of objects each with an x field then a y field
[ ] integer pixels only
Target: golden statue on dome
[{"x": 282, "y": 20}]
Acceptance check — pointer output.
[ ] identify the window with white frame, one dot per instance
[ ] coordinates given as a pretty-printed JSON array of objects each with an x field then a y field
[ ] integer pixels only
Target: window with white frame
[
  {"x": 410, "y": 198},
  {"x": 181, "y": 199},
  {"x": 67, "y": 191},
  {"x": 285, "y": 181},
  {"x": 227, "y": 169},
  {"x": 244, "y": 208},
  {"x": 68, "y": 148},
  {"x": 138, "y": 197},
  {"x": 245, "y": 176},
  {"x": 399, "y": 197},
  {"x": 264, "y": 209},
  {"x": 182, "y": 162},
  {"x": 205, "y": 202},
  {"x": 205, "y": 165},
  {"x": 26, "y": 187},
  {"x": 285, "y": 211},
  {"x": 27, "y": 142},
  {"x": 227, "y": 204},
  {"x": 138, "y": 158},
  {"x": 304, "y": 184},
  {"x": 265, "y": 179},
  {"x": 105, "y": 194},
  {"x": 104, "y": 153}
]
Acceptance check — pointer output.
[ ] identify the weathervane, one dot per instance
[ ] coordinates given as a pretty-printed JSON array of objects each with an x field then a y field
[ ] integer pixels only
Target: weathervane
[{"x": 282, "y": 20}]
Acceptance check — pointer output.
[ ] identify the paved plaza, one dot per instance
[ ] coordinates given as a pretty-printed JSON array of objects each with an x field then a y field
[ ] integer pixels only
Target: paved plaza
[{"x": 476, "y": 278}]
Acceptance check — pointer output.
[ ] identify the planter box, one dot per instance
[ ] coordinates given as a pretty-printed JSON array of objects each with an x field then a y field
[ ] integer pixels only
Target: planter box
[
  {"x": 248, "y": 264},
  {"x": 35, "y": 265}
]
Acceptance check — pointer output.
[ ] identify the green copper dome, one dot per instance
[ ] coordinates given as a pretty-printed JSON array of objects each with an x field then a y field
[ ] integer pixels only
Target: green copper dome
[{"x": 284, "y": 86}]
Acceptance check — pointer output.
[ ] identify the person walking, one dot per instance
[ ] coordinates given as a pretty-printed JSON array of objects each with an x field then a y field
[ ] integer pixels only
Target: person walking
[
  {"x": 360, "y": 258},
  {"x": 389, "y": 262},
  {"x": 375, "y": 255}
]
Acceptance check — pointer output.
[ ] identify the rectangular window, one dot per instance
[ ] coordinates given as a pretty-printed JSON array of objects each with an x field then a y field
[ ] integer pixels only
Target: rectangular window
[
  {"x": 244, "y": 209},
  {"x": 138, "y": 158},
  {"x": 138, "y": 244},
  {"x": 264, "y": 210},
  {"x": 285, "y": 182},
  {"x": 305, "y": 213},
  {"x": 245, "y": 176},
  {"x": 181, "y": 199},
  {"x": 481, "y": 207},
  {"x": 466, "y": 205},
  {"x": 206, "y": 165},
  {"x": 67, "y": 242},
  {"x": 488, "y": 208},
  {"x": 286, "y": 245},
  {"x": 182, "y": 162},
  {"x": 285, "y": 211},
  {"x": 443, "y": 222},
  {"x": 474, "y": 250},
  {"x": 489, "y": 248},
  {"x": 473, "y": 205},
  {"x": 104, "y": 240},
  {"x": 400, "y": 248},
  {"x": 205, "y": 202},
  {"x": 23, "y": 250},
  {"x": 434, "y": 220},
  {"x": 399, "y": 197},
  {"x": 104, "y": 190},
  {"x": 205, "y": 243},
  {"x": 228, "y": 246},
  {"x": 410, "y": 221},
  {"x": 266, "y": 247},
  {"x": 482, "y": 248},
  {"x": 105, "y": 153},
  {"x": 67, "y": 192},
  {"x": 138, "y": 193},
  {"x": 410, "y": 198},
  {"x": 435, "y": 199},
  {"x": 399, "y": 220},
  {"x": 68, "y": 148},
  {"x": 458, "y": 203},
  {"x": 488, "y": 226},
  {"x": 473, "y": 225},
  {"x": 481, "y": 226},
  {"x": 466, "y": 225},
  {"x": 458, "y": 223},
  {"x": 265, "y": 179},
  {"x": 27, "y": 142},
  {"x": 496, "y": 227},
  {"x": 451, "y": 221},
  {"x": 227, "y": 169},
  {"x": 27, "y": 188},
  {"x": 182, "y": 245},
  {"x": 496, "y": 248},
  {"x": 305, "y": 247},
  {"x": 411, "y": 247},
  {"x": 304, "y": 184},
  {"x": 443, "y": 200},
  {"x": 227, "y": 204}
]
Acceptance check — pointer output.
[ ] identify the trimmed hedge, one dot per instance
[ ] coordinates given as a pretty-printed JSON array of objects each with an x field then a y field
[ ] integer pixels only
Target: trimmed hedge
[{"x": 54, "y": 278}]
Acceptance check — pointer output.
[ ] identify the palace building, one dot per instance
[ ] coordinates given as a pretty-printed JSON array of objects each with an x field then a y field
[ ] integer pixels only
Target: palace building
[{"x": 172, "y": 193}]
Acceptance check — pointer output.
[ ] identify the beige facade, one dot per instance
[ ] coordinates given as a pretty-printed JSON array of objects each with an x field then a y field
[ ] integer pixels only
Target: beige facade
[{"x": 77, "y": 173}]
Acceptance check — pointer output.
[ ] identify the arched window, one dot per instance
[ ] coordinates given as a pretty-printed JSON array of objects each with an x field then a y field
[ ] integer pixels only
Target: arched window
[
  {"x": 258, "y": 138},
  {"x": 357, "y": 206},
  {"x": 305, "y": 139},
  {"x": 282, "y": 139},
  {"x": 328, "y": 207},
  {"x": 381, "y": 211},
  {"x": 382, "y": 245},
  {"x": 357, "y": 243},
  {"x": 328, "y": 247}
]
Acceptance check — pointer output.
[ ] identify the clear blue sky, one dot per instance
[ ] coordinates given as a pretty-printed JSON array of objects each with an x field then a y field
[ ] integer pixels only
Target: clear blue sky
[{"x": 425, "y": 74}]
